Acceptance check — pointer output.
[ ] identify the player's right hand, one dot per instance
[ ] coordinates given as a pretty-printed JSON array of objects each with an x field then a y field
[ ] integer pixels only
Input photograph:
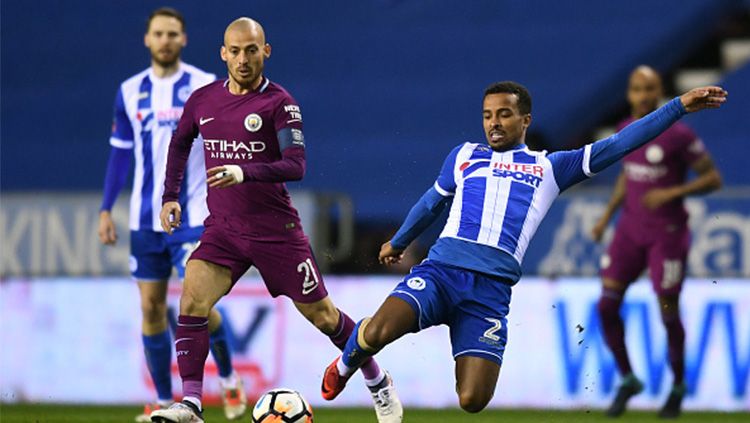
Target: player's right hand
[
  {"x": 711, "y": 97},
  {"x": 598, "y": 231},
  {"x": 389, "y": 255},
  {"x": 107, "y": 232},
  {"x": 170, "y": 216}
]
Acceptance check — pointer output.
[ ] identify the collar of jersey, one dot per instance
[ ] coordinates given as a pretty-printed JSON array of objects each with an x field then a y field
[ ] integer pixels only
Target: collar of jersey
[
  {"x": 168, "y": 80},
  {"x": 262, "y": 87},
  {"x": 516, "y": 147}
]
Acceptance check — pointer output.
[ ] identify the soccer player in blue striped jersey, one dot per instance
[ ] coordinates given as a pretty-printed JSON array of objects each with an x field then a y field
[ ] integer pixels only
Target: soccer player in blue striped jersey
[
  {"x": 498, "y": 194},
  {"x": 146, "y": 111}
]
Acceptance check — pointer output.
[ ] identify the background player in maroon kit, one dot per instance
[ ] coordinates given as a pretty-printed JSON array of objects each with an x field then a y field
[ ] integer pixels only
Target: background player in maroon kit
[
  {"x": 253, "y": 143},
  {"x": 652, "y": 232}
]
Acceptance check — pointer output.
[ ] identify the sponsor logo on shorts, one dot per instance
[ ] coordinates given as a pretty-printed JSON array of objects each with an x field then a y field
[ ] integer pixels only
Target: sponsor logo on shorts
[
  {"x": 253, "y": 122},
  {"x": 416, "y": 284}
]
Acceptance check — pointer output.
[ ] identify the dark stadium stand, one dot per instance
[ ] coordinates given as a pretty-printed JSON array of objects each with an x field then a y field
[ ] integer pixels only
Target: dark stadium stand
[
  {"x": 728, "y": 131},
  {"x": 405, "y": 88}
]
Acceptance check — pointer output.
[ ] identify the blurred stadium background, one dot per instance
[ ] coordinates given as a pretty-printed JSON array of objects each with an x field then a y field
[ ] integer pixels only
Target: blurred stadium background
[{"x": 387, "y": 88}]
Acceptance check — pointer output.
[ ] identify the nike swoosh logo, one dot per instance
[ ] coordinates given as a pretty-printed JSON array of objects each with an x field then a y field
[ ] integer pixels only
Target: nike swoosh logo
[{"x": 205, "y": 121}]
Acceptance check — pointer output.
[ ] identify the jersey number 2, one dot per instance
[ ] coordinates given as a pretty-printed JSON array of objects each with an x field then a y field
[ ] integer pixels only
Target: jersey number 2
[{"x": 496, "y": 326}]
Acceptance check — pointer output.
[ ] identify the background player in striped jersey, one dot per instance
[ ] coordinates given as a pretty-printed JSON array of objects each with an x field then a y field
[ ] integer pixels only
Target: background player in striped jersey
[
  {"x": 500, "y": 193},
  {"x": 253, "y": 142},
  {"x": 652, "y": 231},
  {"x": 147, "y": 108}
]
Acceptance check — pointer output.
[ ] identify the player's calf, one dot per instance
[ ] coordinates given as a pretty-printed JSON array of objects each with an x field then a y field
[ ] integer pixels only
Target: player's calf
[{"x": 473, "y": 402}]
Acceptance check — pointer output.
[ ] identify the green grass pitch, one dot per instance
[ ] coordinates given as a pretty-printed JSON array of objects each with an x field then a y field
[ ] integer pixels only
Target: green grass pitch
[{"x": 27, "y": 413}]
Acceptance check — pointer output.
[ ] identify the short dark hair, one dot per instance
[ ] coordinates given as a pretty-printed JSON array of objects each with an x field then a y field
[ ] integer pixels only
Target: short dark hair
[
  {"x": 511, "y": 87},
  {"x": 165, "y": 11}
]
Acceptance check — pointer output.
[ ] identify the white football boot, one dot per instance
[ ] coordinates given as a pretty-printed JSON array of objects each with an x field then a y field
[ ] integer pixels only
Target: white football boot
[
  {"x": 388, "y": 407},
  {"x": 234, "y": 399},
  {"x": 179, "y": 412}
]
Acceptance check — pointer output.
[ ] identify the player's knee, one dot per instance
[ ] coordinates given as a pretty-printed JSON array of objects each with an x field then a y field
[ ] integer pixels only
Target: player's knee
[
  {"x": 472, "y": 401},
  {"x": 153, "y": 310},
  {"x": 194, "y": 305}
]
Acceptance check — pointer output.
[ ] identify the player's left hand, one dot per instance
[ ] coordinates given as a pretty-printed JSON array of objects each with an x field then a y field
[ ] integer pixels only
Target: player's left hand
[
  {"x": 389, "y": 255},
  {"x": 224, "y": 176},
  {"x": 657, "y": 197},
  {"x": 170, "y": 216},
  {"x": 711, "y": 97}
]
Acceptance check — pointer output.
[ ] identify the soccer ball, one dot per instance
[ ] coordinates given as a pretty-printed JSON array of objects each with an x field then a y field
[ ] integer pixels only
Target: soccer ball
[{"x": 282, "y": 405}]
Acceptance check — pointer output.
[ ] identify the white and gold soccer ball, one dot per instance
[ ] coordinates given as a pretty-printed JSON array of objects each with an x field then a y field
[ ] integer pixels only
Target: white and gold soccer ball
[{"x": 282, "y": 405}]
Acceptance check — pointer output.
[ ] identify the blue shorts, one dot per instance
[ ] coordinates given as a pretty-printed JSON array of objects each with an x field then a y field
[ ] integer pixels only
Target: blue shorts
[
  {"x": 152, "y": 254},
  {"x": 473, "y": 305}
]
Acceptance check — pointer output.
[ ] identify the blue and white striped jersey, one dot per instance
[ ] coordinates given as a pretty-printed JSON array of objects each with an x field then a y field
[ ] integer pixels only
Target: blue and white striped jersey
[
  {"x": 500, "y": 198},
  {"x": 146, "y": 112}
]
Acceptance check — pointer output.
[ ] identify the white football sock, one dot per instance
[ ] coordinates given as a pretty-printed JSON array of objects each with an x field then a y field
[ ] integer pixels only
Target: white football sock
[
  {"x": 229, "y": 382},
  {"x": 195, "y": 401},
  {"x": 343, "y": 369},
  {"x": 377, "y": 380}
]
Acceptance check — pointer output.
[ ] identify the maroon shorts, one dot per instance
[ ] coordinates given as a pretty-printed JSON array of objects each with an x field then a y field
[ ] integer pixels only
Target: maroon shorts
[
  {"x": 287, "y": 267},
  {"x": 664, "y": 250}
]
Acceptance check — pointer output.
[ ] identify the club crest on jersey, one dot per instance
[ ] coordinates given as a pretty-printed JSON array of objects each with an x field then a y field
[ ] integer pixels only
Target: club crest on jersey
[
  {"x": 654, "y": 154},
  {"x": 253, "y": 122},
  {"x": 416, "y": 283}
]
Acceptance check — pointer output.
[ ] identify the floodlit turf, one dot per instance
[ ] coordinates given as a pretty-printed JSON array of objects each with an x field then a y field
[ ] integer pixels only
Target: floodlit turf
[{"x": 57, "y": 413}]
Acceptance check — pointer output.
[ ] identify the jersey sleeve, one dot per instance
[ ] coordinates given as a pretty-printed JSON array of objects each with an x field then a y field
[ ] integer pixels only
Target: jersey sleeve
[
  {"x": 287, "y": 120},
  {"x": 571, "y": 167},
  {"x": 179, "y": 151},
  {"x": 445, "y": 184},
  {"x": 122, "y": 130}
]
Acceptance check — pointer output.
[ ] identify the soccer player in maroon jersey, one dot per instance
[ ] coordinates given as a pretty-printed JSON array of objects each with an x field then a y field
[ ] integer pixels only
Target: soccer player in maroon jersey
[
  {"x": 253, "y": 143},
  {"x": 652, "y": 232}
]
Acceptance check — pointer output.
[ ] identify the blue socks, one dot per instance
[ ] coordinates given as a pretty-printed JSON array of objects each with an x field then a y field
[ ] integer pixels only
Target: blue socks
[
  {"x": 354, "y": 354},
  {"x": 220, "y": 350},
  {"x": 158, "y": 350}
]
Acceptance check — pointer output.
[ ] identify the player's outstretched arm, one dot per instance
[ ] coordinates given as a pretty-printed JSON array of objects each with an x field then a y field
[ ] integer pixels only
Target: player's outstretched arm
[
  {"x": 573, "y": 166},
  {"x": 609, "y": 150},
  {"x": 427, "y": 209}
]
